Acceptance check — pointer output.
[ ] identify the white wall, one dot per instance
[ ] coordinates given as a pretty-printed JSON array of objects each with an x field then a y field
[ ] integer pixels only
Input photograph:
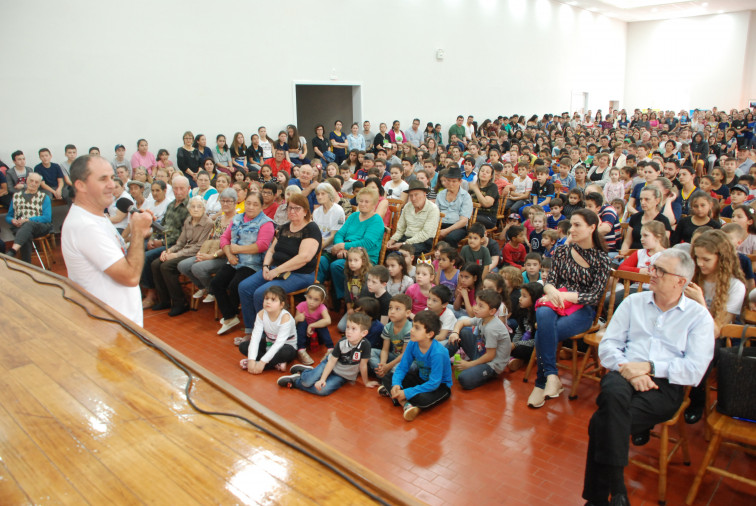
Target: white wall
[
  {"x": 691, "y": 62},
  {"x": 105, "y": 72}
]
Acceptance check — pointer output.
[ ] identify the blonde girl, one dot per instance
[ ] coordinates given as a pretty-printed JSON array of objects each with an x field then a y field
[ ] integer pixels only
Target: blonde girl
[
  {"x": 399, "y": 280},
  {"x": 355, "y": 280}
]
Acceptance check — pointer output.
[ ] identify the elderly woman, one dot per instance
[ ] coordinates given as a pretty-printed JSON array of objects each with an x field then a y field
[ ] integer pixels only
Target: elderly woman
[
  {"x": 579, "y": 274},
  {"x": 329, "y": 218},
  {"x": 289, "y": 262},
  {"x": 119, "y": 219},
  {"x": 242, "y": 243},
  {"x": 211, "y": 257},
  {"x": 213, "y": 205},
  {"x": 650, "y": 203},
  {"x": 165, "y": 273},
  {"x": 203, "y": 188},
  {"x": 364, "y": 229},
  {"x": 282, "y": 214}
]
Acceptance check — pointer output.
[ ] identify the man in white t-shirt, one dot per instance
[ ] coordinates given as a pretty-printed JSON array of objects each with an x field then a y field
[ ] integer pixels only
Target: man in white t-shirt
[{"x": 95, "y": 255}]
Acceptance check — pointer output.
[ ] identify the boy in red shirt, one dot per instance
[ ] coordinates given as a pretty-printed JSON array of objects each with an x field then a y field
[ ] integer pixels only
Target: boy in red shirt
[{"x": 514, "y": 251}]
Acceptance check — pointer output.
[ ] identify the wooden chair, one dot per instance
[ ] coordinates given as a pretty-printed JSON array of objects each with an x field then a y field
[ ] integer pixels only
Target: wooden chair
[
  {"x": 304, "y": 290},
  {"x": 726, "y": 220},
  {"x": 557, "y": 187},
  {"x": 396, "y": 212},
  {"x": 723, "y": 428},
  {"x": 438, "y": 230},
  {"x": 573, "y": 367},
  {"x": 623, "y": 231},
  {"x": 665, "y": 453},
  {"x": 592, "y": 369},
  {"x": 749, "y": 316},
  {"x": 386, "y": 237},
  {"x": 44, "y": 243},
  {"x": 732, "y": 432}
]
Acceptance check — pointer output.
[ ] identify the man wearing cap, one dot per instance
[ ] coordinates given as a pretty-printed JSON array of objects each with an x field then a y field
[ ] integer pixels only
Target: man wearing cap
[
  {"x": 457, "y": 206},
  {"x": 120, "y": 159},
  {"x": 418, "y": 222}
]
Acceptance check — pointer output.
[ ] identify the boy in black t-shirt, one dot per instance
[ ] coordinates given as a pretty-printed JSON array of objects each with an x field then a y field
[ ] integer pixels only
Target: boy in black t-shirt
[
  {"x": 377, "y": 279},
  {"x": 348, "y": 359}
]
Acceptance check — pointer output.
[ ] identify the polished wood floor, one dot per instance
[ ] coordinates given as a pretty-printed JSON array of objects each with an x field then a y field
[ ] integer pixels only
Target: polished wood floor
[
  {"x": 90, "y": 415},
  {"x": 484, "y": 446}
]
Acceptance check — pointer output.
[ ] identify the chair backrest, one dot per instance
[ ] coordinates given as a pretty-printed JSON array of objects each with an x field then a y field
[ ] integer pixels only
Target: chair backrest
[
  {"x": 396, "y": 211},
  {"x": 626, "y": 279},
  {"x": 387, "y": 233},
  {"x": 438, "y": 229},
  {"x": 623, "y": 230},
  {"x": 474, "y": 217},
  {"x": 732, "y": 331},
  {"x": 398, "y": 202}
]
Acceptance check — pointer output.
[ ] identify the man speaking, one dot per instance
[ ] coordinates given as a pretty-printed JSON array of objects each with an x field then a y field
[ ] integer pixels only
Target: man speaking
[{"x": 94, "y": 252}]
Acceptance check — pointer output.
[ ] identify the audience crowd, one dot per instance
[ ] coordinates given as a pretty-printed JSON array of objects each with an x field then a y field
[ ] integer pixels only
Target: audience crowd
[{"x": 456, "y": 252}]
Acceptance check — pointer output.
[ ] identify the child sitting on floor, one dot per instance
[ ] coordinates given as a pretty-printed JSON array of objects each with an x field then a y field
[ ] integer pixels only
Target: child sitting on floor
[
  {"x": 312, "y": 317},
  {"x": 277, "y": 349},
  {"x": 448, "y": 273},
  {"x": 523, "y": 341},
  {"x": 399, "y": 280},
  {"x": 515, "y": 251},
  {"x": 347, "y": 360},
  {"x": 488, "y": 347},
  {"x": 474, "y": 251},
  {"x": 532, "y": 270},
  {"x": 371, "y": 307},
  {"x": 430, "y": 383},
  {"x": 408, "y": 252},
  {"x": 495, "y": 282},
  {"x": 355, "y": 279},
  {"x": 438, "y": 303},
  {"x": 419, "y": 291},
  {"x": 470, "y": 279},
  {"x": 395, "y": 336},
  {"x": 377, "y": 278}
]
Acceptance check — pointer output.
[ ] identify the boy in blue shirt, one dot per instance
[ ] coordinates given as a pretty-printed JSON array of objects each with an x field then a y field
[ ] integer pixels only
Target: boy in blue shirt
[
  {"x": 430, "y": 384},
  {"x": 555, "y": 213}
]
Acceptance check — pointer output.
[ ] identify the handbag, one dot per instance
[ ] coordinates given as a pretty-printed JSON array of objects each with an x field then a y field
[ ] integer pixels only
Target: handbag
[
  {"x": 736, "y": 374},
  {"x": 568, "y": 309},
  {"x": 210, "y": 246}
]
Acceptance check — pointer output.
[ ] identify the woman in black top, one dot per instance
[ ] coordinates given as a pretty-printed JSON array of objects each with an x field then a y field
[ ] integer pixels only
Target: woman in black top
[
  {"x": 381, "y": 137},
  {"x": 239, "y": 152},
  {"x": 289, "y": 261},
  {"x": 486, "y": 193},
  {"x": 650, "y": 199},
  {"x": 188, "y": 159},
  {"x": 254, "y": 152},
  {"x": 319, "y": 143},
  {"x": 200, "y": 142}
]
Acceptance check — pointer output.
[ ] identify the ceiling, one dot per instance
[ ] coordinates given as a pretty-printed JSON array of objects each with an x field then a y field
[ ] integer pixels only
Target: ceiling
[{"x": 648, "y": 10}]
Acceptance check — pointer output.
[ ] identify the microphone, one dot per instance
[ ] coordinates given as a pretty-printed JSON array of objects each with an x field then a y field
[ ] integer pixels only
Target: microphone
[{"x": 126, "y": 206}]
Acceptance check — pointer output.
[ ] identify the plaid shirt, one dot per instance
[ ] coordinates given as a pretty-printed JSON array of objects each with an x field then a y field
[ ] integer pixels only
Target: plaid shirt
[{"x": 173, "y": 222}]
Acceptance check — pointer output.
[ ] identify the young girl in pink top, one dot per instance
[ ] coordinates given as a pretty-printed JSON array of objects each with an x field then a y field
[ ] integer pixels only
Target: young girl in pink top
[
  {"x": 419, "y": 291},
  {"x": 312, "y": 317}
]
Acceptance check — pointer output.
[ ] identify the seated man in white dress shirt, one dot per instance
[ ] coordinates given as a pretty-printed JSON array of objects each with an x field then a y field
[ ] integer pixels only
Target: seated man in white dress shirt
[{"x": 656, "y": 343}]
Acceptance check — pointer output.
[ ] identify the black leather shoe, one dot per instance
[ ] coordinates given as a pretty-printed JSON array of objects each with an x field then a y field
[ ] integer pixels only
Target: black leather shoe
[
  {"x": 619, "y": 500},
  {"x": 177, "y": 310},
  {"x": 642, "y": 438},
  {"x": 693, "y": 414},
  {"x": 160, "y": 306}
]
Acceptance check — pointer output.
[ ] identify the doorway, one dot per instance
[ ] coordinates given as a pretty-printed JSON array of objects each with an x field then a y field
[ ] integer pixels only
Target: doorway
[
  {"x": 578, "y": 103},
  {"x": 324, "y": 104}
]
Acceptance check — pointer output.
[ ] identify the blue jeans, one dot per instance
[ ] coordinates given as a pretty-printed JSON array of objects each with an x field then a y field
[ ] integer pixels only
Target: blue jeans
[
  {"x": 375, "y": 359},
  {"x": 312, "y": 376},
  {"x": 149, "y": 257},
  {"x": 552, "y": 329},
  {"x": 252, "y": 292},
  {"x": 477, "y": 375},
  {"x": 322, "y": 333},
  {"x": 323, "y": 268},
  {"x": 337, "y": 276}
]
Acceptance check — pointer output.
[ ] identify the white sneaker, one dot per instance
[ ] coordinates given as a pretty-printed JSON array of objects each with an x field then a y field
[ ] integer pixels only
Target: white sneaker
[
  {"x": 537, "y": 398},
  {"x": 229, "y": 324},
  {"x": 553, "y": 386},
  {"x": 209, "y": 298},
  {"x": 199, "y": 294}
]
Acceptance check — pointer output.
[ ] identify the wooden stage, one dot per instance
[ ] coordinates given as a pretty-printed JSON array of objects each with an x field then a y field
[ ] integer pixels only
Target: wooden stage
[{"x": 90, "y": 414}]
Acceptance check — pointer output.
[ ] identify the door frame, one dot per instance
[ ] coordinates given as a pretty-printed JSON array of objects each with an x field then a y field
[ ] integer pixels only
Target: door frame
[{"x": 356, "y": 95}]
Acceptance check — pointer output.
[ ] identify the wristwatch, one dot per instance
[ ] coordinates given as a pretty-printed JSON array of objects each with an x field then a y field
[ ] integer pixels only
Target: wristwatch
[
  {"x": 652, "y": 372},
  {"x": 266, "y": 266}
]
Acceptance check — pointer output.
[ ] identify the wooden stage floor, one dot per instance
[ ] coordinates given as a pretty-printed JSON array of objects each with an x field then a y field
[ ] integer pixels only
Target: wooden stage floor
[{"x": 91, "y": 415}]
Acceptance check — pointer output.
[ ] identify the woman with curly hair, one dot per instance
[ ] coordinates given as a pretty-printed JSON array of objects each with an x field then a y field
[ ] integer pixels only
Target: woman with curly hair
[{"x": 719, "y": 285}]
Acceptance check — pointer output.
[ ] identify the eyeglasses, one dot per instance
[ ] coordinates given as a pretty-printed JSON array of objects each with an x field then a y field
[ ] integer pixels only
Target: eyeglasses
[
  {"x": 296, "y": 209},
  {"x": 228, "y": 201},
  {"x": 268, "y": 192},
  {"x": 660, "y": 272}
]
